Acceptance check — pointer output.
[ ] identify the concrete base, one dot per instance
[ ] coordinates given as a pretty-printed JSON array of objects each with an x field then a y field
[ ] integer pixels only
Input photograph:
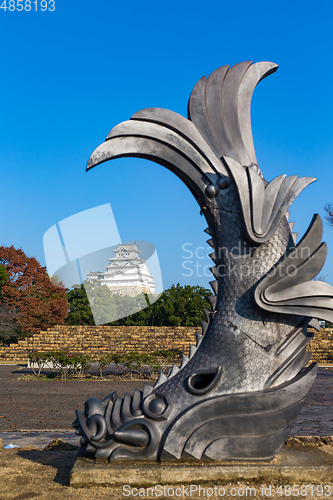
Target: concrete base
[{"x": 307, "y": 463}]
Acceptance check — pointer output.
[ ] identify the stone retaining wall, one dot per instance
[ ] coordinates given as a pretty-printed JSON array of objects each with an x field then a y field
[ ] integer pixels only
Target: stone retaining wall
[
  {"x": 97, "y": 340},
  {"x": 321, "y": 346}
]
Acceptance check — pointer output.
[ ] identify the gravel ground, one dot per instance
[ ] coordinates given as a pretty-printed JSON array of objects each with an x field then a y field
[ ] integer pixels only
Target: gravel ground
[
  {"x": 48, "y": 404},
  {"x": 30, "y": 474},
  {"x": 51, "y": 404}
]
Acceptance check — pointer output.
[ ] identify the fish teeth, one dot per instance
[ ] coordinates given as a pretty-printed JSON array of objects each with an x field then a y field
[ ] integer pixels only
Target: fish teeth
[
  {"x": 291, "y": 225},
  {"x": 212, "y": 256},
  {"x": 204, "y": 326},
  {"x": 136, "y": 402},
  {"x": 214, "y": 286},
  {"x": 213, "y": 299},
  {"x": 184, "y": 361},
  {"x": 314, "y": 323},
  {"x": 213, "y": 271},
  {"x": 211, "y": 242},
  {"x": 115, "y": 417},
  {"x": 294, "y": 235},
  {"x": 287, "y": 215},
  {"x": 112, "y": 397},
  {"x": 209, "y": 231},
  {"x": 208, "y": 315},
  {"x": 174, "y": 370},
  {"x": 147, "y": 389},
  {"x": 193, "y": 350},
  {"x": 107, "y": 416},
  {"x": 125, "y": 413},
  {"x": 199, "y": 338},
  {"x": 161, "y": 379}
]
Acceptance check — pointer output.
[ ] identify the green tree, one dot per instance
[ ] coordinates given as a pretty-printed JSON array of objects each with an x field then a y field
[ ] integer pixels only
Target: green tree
[
  {"x": 183, "y": 305},
  {"x": 176, "y": 306},
  {"x": 102, "y": 301},
  {"x": 145, "y": 314},
  {"x": 91, "y": 303},
  {"x": 79, "y": 307}
]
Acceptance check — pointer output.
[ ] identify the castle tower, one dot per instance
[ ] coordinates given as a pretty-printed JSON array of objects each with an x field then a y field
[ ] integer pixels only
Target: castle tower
[{"x": 127, "y": 273}]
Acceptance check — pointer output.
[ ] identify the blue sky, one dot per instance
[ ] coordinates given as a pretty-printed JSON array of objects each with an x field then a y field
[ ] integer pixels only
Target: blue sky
[{"x": 69, "y": 76}]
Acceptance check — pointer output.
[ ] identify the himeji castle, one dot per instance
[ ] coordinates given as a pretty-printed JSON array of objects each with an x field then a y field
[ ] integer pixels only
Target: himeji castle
[{"x": 127, "y": 273}]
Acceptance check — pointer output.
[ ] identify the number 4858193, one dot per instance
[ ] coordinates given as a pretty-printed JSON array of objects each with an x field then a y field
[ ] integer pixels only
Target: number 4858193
[{"x": 28, "y": 5}]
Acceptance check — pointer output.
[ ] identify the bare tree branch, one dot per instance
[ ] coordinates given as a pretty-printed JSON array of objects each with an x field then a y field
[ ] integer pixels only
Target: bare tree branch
[{"x": 329, "y": 213}]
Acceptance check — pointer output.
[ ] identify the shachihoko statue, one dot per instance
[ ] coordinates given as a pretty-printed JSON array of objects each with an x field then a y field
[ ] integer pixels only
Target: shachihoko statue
[{"x": 244, "y": 383}]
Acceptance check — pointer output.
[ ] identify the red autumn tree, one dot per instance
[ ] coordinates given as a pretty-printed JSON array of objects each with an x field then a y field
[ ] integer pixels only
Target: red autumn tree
[
  {"x": 28, "y": 294},
  {"x": 8, "y": 325}
]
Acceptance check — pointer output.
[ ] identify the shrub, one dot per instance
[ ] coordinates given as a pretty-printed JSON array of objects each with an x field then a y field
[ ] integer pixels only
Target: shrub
[
  {"x": 105, "y": 361},
  {"x": 118, "y": 361},
  {"x": 132, "y": 361},
  {"x": 77, "y": 364},
  {"x": 40, "y": 359},
  {"x": 70, "y": 363},
  {"x": 151, "y": 365},
  {"x": 60, "y": 362},
  {"x": 165, "y": 357}
]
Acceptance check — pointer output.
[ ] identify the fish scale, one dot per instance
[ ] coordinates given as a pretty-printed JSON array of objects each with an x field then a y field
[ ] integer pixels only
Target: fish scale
[{"x": 221, "y": 342}]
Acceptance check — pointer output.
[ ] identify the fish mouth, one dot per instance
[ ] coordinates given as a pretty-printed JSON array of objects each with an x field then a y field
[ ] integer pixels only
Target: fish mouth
[{"x": 238, "y": 426}]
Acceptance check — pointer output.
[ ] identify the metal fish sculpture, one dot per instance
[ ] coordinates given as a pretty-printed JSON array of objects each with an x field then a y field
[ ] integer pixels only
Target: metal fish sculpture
[{"x": 243, "y": 384}]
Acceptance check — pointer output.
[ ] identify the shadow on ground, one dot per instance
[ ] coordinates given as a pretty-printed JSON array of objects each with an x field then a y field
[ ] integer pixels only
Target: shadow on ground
[{"x": 62, "y": 461}]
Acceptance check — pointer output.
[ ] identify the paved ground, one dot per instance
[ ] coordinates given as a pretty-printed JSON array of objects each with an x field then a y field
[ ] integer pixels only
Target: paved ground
[
  {"x": 46, "y": 405},
  {"x": 50, "y": 405},
  {"x": 316, "y": 417}
]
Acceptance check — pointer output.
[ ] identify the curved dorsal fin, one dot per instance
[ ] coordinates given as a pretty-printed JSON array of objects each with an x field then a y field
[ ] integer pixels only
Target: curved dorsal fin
[{"x": 220, "y": 108}]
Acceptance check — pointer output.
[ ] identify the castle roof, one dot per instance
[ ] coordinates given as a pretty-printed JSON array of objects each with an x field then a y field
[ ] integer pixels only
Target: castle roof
[
  {"x": 125, "y": 267},
  {"x": 126, "y": 256}
]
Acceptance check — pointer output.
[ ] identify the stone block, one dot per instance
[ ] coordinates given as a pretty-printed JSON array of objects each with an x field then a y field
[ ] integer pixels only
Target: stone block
[{"x": 298, "y": 463}]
